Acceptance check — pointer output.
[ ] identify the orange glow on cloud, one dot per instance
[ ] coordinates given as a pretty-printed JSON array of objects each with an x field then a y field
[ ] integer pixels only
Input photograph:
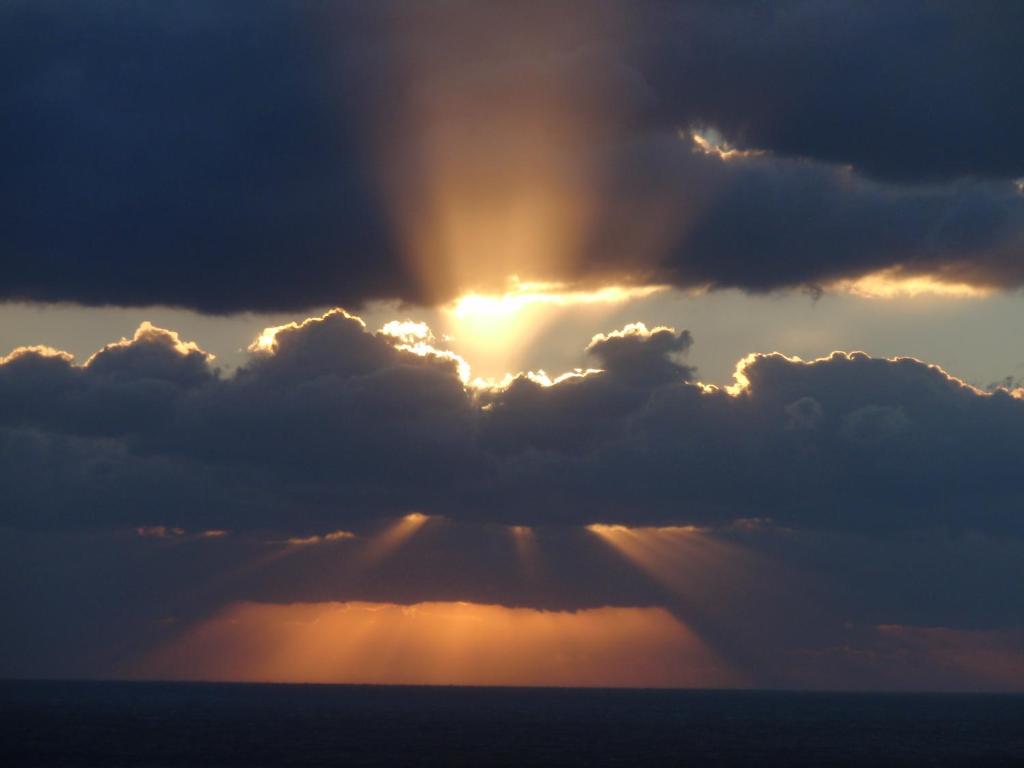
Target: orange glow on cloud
[
  {"x": 326, "y": 538},
  {"x": 501, "y": 174},
  {"x": 741, "y": 382},
  {"x": 494, "y": 329},
  {"x": 475, "y": 306},
  {"x": 441, "y": 644},
  {"x": 889, "y": 284},
  {"x": 148, "y": 332},
  {"x": 711, "y": 142},
  {"x": 417, "y": 338},
  {"x": 35, "y": 349},
  {"x": 266, "y": 342}
]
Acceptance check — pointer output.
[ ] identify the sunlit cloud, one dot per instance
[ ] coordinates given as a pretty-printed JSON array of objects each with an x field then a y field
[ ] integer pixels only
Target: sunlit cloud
[
  {"x": 890, "y": 284},
  {"x": 417, "y": 338},
  {"x": 496, "y": 328},
  {"x": 710, "y": 141},
  {"x": 477, "y": 306},
  {"x": 327, "y": 538},
  {"x": 441, "y": 643},
  {"x": 630, "y": 330},
  {"x": 266, "y": 342},
  {"x": 147, "y": 332},
  {"x": 215, "y": 533},
  {"x": 407, "y": 331},
  {"x": 499, "y": 182},
  {"x": 36, "y": 349},
  {"x": 742, "y": 384},
  {"x": 537, "y": 377}
]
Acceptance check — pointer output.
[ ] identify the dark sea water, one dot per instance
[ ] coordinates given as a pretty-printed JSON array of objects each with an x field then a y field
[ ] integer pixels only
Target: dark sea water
[{"x": 184, "y": 724}]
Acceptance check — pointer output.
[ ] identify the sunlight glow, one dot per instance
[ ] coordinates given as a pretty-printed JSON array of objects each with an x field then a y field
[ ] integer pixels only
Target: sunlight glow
[
  {"x": 394, "y": 537},
  {"x": 418, "y": 339},
  {"x": 266, "y": 342},
  {"x": 537, "y": 377},
  {"x": 441, "y": 643},
  {"x": 493, "y": 330},
  {"x": 710, "y": 141},
  {"x": 149, "y": 332},
  {"x": 741, "y": 382},
  {"x": 320, "y": 539},
  {"x": 527, "y": 551},
  {"x": 477, "y": 306},
  {"x": 407, "y": 331},
  {"x": 889, "y": 284},
  {"x": 36, "y": 349},
  {"x": 692, "y": 562}
]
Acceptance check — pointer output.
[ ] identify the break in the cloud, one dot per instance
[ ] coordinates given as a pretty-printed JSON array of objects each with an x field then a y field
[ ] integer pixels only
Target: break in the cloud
[
  {"x": 329, "y": 426},
  {"x": 278, "y": 158}
]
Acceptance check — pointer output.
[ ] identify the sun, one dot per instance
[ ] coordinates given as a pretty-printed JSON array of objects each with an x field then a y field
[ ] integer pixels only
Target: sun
[{"x": 493, "y": 329}]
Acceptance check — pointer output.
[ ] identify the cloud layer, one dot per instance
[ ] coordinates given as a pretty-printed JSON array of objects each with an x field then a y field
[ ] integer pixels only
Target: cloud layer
[
  {"x": 330, "y": 425},
  {"x": 199, "y": 157}
]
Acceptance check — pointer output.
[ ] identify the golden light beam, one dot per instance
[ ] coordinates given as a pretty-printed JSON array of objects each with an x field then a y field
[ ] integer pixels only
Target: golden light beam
[
  {"x": 441, "y": 643},
  {"x": 501, "y": 172},
  {"x": 890, "y": 284},
  {"x": 494, "y": 330},
  {"x": 699, "y": 567},
  {"x": 528, "y": 553},
  {"x": 393, "y": 538}
]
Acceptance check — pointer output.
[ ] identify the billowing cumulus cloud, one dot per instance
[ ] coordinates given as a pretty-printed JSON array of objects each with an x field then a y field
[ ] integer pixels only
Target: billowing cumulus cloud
[
  {"x": 329, "y": 426},
  {"x": 302, "y": 155}
]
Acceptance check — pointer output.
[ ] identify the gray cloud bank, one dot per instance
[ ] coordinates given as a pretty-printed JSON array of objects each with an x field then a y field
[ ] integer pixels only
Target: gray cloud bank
[
  {"x": 858, "y": 516},
  {"x": 198, "y": 156},
  {"x": 336, "y": 427}
]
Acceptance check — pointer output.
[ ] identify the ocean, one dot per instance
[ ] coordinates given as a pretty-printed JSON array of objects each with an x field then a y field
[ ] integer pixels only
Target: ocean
[{"x": 198, "y": 724}]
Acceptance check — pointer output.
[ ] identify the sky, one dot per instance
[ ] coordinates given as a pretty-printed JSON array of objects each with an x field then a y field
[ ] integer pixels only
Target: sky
[{"x": 582, "y": 343}]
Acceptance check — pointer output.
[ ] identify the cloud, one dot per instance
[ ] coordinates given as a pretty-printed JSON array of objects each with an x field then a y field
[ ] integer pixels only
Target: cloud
[
  {"x": 815, "y": 500},
  {"x": 269, "y": 160},
  {"x": 641, "y": 355},
  {"x": 331, "y": 426}
]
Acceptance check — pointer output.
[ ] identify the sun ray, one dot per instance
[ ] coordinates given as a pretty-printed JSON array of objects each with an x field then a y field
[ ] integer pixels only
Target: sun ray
[
  {"x": 441, "y": 643},
  {"x": 394, "y": 537}
]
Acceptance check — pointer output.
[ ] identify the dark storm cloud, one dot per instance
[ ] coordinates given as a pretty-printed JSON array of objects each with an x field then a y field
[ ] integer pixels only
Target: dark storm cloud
[
  {"x": 193, "y": 155},
  {"x": 185, "y": 154},
  {"x": 759, "y": 222},
  {"x": 143, "y": 491},
  {"x": 336, "y": 427},
  {"x": 909, "y": 91}
]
